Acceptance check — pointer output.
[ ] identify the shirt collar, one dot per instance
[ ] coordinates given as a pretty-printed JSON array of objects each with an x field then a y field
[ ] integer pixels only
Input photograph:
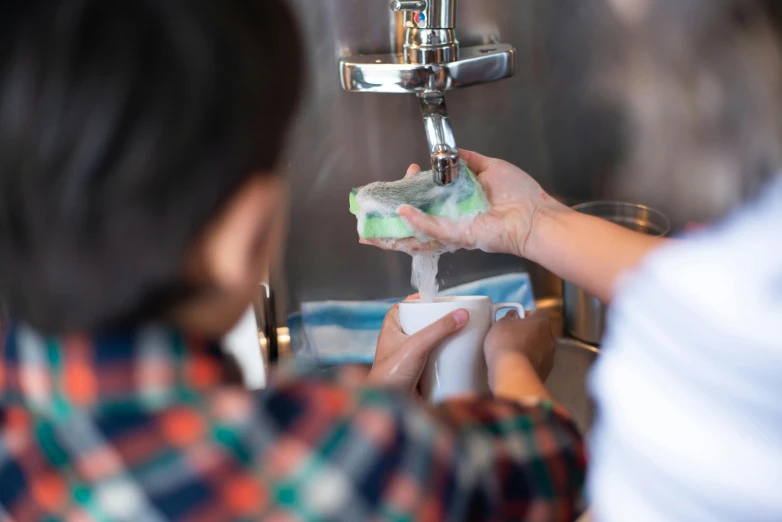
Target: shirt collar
[{"x": 151, "y": 368}]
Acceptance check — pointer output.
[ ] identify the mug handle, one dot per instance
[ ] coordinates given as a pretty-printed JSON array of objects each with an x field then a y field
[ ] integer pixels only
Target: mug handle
[{"x": 502, "y": 306}]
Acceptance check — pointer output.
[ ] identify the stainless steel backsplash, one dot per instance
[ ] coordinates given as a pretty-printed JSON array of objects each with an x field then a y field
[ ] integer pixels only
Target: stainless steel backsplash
[{"x": 545, "y": 119}]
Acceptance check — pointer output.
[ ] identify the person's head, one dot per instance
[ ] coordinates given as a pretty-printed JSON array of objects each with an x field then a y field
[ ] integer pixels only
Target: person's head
[
  {"x": 139, "y": 143},
  {"x": 702, "y": 80}
]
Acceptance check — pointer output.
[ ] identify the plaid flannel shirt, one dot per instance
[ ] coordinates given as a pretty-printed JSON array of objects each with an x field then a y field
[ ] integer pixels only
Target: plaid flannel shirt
[{"x": 154, "y": 426}]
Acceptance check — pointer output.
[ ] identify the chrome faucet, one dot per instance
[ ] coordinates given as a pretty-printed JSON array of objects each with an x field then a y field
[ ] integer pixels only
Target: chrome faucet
[
  {"x": 442, "y": 144},
  {"x": 430, "y": 64}
]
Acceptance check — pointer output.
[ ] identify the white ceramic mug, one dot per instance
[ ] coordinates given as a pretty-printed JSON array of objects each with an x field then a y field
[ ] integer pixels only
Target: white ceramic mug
[{"x": 458, "y": 365}]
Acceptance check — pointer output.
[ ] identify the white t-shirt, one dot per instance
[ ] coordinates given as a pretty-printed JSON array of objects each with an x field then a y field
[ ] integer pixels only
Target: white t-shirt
[{"x": 689, "y": 384}]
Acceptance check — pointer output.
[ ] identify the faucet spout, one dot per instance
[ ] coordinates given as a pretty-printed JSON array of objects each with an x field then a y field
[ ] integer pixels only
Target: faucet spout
[
  {"x": 430, "y": 63},
  {"x": 442, "y": 144}
]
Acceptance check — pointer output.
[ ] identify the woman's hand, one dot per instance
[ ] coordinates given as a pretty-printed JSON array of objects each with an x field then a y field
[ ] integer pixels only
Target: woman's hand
[
  {"x": 520, "y": 355},
  {"x": 516, "y": 200},
  {"x": 400, "y": 359},
  {"x": 590, "y": 252}
]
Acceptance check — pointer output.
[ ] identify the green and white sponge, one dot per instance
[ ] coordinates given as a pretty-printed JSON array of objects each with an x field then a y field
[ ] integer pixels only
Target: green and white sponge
[{"x": 376, "y": 204}]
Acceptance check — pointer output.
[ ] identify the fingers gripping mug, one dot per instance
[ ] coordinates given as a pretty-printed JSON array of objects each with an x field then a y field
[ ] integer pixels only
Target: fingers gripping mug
[{"x": 458, "y": 365}]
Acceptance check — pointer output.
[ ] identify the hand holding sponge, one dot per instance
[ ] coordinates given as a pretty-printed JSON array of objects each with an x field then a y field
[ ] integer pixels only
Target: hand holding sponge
[{"x": 376, "y": 204}]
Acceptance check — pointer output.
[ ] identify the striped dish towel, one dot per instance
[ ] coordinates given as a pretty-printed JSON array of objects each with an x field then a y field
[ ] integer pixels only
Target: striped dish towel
[{"x": 342, "y": 332}]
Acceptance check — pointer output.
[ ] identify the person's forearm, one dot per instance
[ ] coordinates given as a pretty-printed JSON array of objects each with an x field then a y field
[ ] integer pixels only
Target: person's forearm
[
  {"x": 587, "y": 251},
  {"x": 515, "y": 379}
]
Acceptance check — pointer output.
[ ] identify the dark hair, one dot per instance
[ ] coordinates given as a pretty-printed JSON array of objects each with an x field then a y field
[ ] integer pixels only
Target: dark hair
[{"x": 124, "y": 128}]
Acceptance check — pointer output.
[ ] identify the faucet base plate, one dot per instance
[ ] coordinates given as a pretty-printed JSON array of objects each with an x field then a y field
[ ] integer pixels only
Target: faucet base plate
[{"x": 388, "y": 73}]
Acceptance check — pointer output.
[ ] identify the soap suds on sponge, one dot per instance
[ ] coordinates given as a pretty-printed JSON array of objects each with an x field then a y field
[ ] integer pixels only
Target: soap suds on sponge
[{"x": 376, "y": 204}]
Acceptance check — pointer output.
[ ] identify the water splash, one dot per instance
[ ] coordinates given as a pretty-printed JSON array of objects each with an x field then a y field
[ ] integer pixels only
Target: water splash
[{"x": 424, "y": 279}]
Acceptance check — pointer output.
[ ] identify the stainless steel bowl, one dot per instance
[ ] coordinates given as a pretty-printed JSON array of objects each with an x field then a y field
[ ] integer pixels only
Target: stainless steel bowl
[{"x": 584, "y": 314}]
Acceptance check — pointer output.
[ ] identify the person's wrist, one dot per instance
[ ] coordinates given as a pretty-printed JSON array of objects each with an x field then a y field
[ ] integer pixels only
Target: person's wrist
[
  {"x": 546, "y": 216},
  {"x": 513, "y": 376},
  {"x": 505, "y": 362}
]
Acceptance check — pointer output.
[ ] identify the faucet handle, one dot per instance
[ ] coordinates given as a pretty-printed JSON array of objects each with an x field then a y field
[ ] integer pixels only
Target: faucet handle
[{"x": 404, "y": 5}]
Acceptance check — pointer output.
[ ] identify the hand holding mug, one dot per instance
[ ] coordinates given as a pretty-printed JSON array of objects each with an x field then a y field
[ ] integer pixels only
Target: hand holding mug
[
  {"x": 457, "y": 366},
  {"x": 520, "y": 355},
  {"x": 400, "y": 358}
]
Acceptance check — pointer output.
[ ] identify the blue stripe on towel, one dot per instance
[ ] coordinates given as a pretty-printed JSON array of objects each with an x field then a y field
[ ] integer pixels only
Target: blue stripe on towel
[{"x": 351, "y": 315}]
